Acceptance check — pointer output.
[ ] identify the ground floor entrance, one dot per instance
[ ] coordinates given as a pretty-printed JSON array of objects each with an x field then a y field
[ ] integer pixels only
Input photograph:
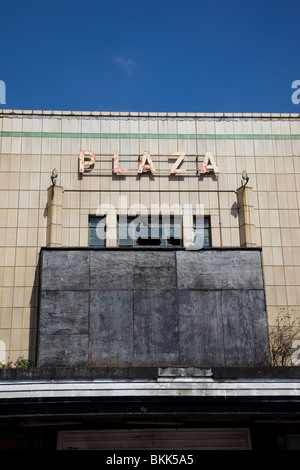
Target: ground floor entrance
[{"x": 155, "y": 439}]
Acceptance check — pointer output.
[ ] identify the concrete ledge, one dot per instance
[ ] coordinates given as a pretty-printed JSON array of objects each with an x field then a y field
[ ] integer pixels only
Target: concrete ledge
[{"x": 132, "y": 373}]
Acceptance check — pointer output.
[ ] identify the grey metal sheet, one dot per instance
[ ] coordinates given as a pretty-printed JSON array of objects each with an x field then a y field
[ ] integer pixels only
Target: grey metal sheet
[
  {"x": 200, "y": 328},
  {"x": 111, "y": 328},
  {"x": 63, "y": 350},
  {"x": 65, "y": 270},
  {"x": 64, "y": 312},
  {"x": 153, "y": 307},
  {"x": 215, "y": 269},
  {"x": 126, "y": 270},
  {"x": 155, "y": 327}
]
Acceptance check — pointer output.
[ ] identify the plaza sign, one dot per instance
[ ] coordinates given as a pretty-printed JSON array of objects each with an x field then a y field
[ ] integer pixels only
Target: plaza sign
[{"x": 87, "y": 162}]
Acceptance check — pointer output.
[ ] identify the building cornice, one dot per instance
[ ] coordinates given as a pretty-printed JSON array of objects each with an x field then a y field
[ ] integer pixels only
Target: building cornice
[{"x": 153, "y": 115}]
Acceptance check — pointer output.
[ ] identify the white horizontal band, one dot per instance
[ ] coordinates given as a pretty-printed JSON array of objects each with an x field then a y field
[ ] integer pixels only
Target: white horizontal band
[{"x": 162, "y": 387}]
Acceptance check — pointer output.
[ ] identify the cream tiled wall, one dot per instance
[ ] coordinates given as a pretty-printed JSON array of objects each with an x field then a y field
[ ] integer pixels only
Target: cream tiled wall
[{"x": 33, "y": 143}]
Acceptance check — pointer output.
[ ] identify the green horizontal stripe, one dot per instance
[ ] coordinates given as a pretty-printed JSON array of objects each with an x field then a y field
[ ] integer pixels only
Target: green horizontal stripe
[{"x": 79, "y": 135}]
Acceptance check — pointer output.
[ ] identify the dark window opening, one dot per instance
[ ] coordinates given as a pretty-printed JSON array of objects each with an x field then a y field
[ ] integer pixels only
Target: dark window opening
[
  {"x": 97, "y": 232},
  {"x": 202, "y": 231},
  {"x": 150, "y": 231}
]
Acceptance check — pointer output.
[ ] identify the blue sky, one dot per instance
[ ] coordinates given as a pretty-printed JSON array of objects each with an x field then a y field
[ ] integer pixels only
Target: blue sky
[{"x": 150, "y": 55}]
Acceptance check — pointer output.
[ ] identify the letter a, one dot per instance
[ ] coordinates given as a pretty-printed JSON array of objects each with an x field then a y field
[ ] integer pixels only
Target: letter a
[
  {"x": 144, "y": 166},
  {"x": 209, "y": 164},
  {"x": 296, "y": 94},
  {"x": 2, "y": 92}
]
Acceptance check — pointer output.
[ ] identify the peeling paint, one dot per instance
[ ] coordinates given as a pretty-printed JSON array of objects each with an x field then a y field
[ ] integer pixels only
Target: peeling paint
[
  {"x": 117, "y": 170},
  {"x": 83, "y": 162},
  {"x": 209, "y": 164},
  {"x": 144, "y": 166},
  {"x": 175, "y": 170}
]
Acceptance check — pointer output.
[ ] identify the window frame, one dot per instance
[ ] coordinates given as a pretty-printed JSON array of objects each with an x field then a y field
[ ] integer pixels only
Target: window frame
[
  {"x": 164, "y": 244},
  {"x": 91, "y": 227},
  {"x": 206, "y": 228}
]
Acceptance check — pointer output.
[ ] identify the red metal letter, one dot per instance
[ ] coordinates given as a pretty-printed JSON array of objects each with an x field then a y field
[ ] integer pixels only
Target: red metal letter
[
  {"x": 143, "y": 166},
  {"x": 175, "y": 170},
  {"x": 83, "y": 163},
  {"x": 117, "y": 170},
  {"x": 209, "y": 164}
]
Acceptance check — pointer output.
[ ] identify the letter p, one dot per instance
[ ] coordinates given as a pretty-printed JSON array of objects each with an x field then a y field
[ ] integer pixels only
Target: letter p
[{"x": 86, "y": 160}]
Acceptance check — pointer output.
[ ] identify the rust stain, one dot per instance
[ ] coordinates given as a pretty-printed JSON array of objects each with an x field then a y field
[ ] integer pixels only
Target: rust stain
[
  {"x": 175, "y": 170},
  {"x": 209, "y": 164},
  {"x": 144, "y": 166},
  {"x": 83, "y": 162},
  {"x": 117, "y": 170}
]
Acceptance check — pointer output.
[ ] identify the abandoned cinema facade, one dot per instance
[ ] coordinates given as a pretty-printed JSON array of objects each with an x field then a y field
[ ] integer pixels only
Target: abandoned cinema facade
[{"x": 146, "y": 260}]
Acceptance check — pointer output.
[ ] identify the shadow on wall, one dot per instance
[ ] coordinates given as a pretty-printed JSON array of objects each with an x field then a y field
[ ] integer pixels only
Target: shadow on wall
[
  {"x": 34, "y": 309},
  {"x": 234, "y": 210}
]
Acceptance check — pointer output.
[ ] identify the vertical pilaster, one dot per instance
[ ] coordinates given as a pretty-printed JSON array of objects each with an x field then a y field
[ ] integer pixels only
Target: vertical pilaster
[
  {"x": 245, "y": 213},
  {"x": 54, "y": 224}
]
